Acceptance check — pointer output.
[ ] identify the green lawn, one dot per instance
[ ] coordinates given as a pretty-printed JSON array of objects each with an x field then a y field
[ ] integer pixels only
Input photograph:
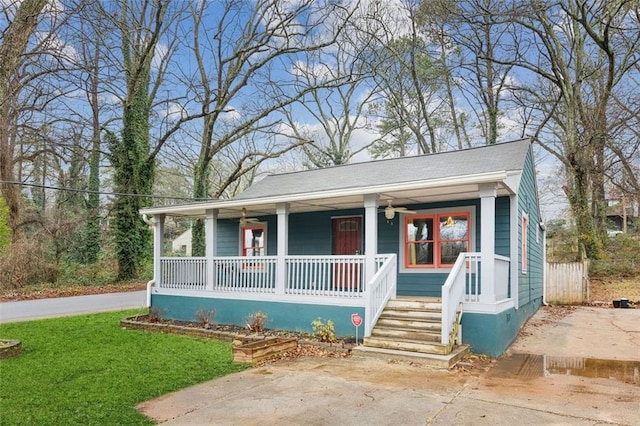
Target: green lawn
[{"x": 86, "y": 370}]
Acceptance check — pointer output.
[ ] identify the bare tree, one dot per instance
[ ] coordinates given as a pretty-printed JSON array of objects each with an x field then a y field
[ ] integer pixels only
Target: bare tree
[
  {"x": 576, "y": 51},
  {"x": 14, "y": 43},
  {"x": 245, "y": 53},
  {"x": 336, "y": 113},
  {"x": 410, "y": 82}
]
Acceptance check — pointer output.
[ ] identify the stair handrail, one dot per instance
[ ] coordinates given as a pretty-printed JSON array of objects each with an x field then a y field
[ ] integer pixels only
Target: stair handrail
[
  {"x": 453, "y": 293},
  {"x": 380, "y": 289}
]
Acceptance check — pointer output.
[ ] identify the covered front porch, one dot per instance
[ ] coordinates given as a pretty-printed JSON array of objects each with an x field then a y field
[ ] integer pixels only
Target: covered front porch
[{"x": 327, "y": 285}]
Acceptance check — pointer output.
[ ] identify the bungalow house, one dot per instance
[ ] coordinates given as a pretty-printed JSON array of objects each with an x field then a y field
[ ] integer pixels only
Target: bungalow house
[{"x": 429, "y": 251}]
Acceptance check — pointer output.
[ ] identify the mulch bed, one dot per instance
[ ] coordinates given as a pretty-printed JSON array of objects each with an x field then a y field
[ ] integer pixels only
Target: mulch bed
[{"x": 308, "y": 344}]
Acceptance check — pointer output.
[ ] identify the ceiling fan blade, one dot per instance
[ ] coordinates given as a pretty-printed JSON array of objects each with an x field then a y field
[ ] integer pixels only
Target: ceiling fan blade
[{"x": 404, "y": 210}]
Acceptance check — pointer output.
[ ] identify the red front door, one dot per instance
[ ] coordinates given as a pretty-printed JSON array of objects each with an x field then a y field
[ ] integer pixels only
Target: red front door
[{"x": 347, "y": 240}]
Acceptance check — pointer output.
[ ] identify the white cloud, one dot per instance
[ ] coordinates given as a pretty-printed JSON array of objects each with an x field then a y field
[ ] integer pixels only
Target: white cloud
[
  {"x": 52, "y": 44},
  {"x": 231, "y": 114},
  {"x": 159, "y": 55}
]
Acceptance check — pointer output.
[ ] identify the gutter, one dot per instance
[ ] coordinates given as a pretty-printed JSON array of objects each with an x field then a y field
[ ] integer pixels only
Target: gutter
[{"x": 310, "y": 196}]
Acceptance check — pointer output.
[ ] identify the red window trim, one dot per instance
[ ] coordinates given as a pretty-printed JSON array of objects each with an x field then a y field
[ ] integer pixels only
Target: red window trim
[
  {"x": 436, "y": 241},
  {"x": 244, "y": 248}
]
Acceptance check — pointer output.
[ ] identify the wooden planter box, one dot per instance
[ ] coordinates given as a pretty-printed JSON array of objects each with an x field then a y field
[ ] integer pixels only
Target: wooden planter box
[{"x": 263, "y": 349}]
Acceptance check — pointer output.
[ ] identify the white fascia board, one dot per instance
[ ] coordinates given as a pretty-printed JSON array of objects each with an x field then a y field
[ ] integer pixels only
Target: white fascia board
[
  {"x": 512, "y": 182},
  {"x": 500, "y": 176}
]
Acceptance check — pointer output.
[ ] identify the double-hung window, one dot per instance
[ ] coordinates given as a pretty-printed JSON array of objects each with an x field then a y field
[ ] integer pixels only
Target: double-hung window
[
  {"x": 435, "y": 240},
  {"x": 253, "y": 240}
]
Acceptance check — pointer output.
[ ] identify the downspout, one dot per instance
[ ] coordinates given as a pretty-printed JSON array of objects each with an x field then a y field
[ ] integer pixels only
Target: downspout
[{"x": 151, "y": 282}]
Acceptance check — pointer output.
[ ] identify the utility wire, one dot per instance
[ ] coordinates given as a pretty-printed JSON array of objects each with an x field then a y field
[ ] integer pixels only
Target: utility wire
[{"x": 88, "y": 191}]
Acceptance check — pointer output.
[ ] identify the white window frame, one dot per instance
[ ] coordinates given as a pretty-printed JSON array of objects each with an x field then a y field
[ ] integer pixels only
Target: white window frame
[{"x": 524, "y": 243}]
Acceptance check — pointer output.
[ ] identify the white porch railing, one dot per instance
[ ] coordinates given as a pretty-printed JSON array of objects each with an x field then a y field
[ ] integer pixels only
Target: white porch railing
[
  {"x": 341, "y": 276},
  {"x": 329, "y": 276},
  {"x": 245, "y": 274},
  {"x": 185, "y": 273},
  {"x": 464, "y": 284},
  {"x": 453, "y": 293},
  {"x": 502, "y": 267},
  {"x": 381, "y": 288}
]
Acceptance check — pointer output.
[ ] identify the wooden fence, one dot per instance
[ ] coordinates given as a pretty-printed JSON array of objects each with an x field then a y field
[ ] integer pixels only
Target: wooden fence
[{"x": 567, "y": 283}]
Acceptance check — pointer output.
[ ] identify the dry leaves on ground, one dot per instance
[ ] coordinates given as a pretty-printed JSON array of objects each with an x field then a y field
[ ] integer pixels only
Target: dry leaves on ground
[{"x": 47, "y": 293}]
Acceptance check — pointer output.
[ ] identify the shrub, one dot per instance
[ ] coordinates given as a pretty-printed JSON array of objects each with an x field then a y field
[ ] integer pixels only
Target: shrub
[
  {"x": 105, "y": 271},
  {"x": 325, "y": 331},
  {"x": 205, "y": 317},
  {"x": 256, "y": 321},
  {"x": 25, "y": 264},
  {"x": 622, "y": 258},
  {"x": 155, "y": 314}
]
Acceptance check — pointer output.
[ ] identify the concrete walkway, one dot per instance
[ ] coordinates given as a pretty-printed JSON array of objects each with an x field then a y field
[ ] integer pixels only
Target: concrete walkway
[
  {"x": 364, "y": 391},
  {"x": 25, "y": 310}
]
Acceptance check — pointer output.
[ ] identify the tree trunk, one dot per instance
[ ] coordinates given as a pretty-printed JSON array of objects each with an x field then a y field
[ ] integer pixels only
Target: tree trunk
[{"x": 15, "y": 39}]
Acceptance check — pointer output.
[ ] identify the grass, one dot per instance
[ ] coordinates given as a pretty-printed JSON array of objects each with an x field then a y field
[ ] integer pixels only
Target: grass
[{"x": 86, "y": 370}]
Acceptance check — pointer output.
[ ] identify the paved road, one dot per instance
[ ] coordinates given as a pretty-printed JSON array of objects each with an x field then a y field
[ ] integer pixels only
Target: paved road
[{"x": 64, "y": 306}]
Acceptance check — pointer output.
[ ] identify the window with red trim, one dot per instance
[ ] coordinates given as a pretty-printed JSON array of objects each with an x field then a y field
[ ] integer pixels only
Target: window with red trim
[
  {"x": 435, "y": 240},
  {"x": 253, "y": 240}
]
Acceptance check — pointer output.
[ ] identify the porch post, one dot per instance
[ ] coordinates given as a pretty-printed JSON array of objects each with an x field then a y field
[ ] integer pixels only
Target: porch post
[
  {"x": 158, "y": 244},
  {"x": 371, "y": 235},
  {"x": 488, "y": 242},
  {"x": 210, "y": 230},
  {"x": 282, "y": 209}
]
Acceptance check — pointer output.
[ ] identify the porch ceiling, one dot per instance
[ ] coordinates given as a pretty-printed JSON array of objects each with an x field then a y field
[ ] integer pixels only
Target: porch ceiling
[{"x": 334, "y": 201}]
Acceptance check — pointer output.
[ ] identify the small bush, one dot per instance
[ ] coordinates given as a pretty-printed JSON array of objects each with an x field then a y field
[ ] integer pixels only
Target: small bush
[
  {"x": 205, "y": 317},
  {"x": 155, "y": 314},
  {"x": 103, "y": 272},
  {"x": 622, "y": 258},
  {"x": 25, "y": 264},
  {"x": 325, "y": 331},
  {"x": 256, "y": 321}
]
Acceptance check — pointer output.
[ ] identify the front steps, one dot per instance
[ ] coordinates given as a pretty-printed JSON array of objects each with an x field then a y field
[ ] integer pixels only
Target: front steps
[{"x": 410, "y": 328}]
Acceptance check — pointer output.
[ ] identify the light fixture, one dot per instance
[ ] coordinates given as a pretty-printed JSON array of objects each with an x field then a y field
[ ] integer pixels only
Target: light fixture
[
  {"x": 389, "y": 212},
  {"x": 450, "y": 222}
]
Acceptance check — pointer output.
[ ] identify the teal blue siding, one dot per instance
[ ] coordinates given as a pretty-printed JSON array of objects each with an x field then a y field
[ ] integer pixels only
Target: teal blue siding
[
  {"x": 280, "y": 316},
  {"x": 503, "y": 241},
  {"x": 228, "y": 238},
  {"x": 530, "y": 284},
  {"x": 492, "y": 334},
  {"x": 310, "y": 234}
]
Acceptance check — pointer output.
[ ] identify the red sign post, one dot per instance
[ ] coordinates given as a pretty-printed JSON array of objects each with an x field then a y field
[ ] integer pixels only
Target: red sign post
[{"x": 356, "y": 320}]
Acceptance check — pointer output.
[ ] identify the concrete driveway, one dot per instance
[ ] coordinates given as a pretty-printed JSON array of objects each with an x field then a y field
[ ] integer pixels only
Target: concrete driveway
[{"x": 364, "y": 391}]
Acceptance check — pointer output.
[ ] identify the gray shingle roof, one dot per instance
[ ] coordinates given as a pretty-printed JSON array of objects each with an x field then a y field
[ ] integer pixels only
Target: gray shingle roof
[{"x": 507, "y": 156}]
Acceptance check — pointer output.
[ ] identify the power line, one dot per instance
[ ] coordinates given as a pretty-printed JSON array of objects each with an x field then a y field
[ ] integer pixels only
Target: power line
[{"x": 88, "y": 191}]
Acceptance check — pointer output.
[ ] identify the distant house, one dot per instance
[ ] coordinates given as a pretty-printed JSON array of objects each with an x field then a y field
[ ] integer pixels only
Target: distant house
[
  {"x": 622, "y": 213},
  {"x": 431, "y": 251},
  {"x": 182, "y": 243}
]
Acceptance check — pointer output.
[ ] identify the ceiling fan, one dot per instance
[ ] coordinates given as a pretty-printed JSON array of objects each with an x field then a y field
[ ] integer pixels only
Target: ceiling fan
[
  {"x": 390, "y": 211},
  {"x": 244, "y": 220}
]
